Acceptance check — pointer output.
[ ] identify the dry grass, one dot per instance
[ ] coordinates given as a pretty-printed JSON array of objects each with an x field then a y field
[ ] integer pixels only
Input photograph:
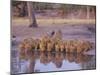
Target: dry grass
[{"x": 56, "y": 21}]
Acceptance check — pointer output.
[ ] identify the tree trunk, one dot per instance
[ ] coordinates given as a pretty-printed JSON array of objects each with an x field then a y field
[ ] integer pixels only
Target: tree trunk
[
  {"x": 31, "y": 15},
  {"x": 88, "y": 12}
]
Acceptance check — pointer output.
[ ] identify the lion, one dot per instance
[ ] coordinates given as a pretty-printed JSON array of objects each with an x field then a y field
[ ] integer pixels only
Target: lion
[
  {"x": 62, "y": 46},
  {"x": 42, "y": 46},
  {"x": 49, "y": 46},
  {"x": 57, "y": 47}
]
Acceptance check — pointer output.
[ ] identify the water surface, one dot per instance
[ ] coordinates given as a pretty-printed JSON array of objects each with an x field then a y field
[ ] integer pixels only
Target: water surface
[{"x": 34, "y": 62}]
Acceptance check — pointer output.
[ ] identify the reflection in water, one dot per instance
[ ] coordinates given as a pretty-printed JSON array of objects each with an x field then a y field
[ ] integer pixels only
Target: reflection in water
[{"x": 51, "y": 61}]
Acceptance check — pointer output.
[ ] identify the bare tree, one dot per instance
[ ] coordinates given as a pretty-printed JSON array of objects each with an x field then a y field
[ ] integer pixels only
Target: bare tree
[{"x": 31, "y": 15}]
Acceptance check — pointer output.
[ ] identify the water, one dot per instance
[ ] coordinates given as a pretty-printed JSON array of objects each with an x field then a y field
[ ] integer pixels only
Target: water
[{"x": 35, "y": 62}]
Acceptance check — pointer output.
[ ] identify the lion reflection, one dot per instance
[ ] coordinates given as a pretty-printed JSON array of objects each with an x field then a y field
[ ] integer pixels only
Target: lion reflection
[{"x": 56, "y": 58}]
